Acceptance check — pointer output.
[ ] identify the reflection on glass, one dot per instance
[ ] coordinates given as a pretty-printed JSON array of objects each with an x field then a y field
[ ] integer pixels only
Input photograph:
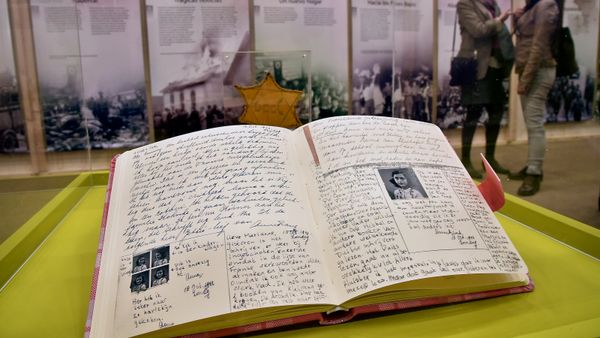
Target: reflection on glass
[
  {"x": 12, "y": 127},
  {"x": 91, "y": 74}
]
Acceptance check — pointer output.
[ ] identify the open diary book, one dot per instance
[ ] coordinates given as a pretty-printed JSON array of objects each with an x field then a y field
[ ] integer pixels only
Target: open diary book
[{"x": 235, "y": 229}]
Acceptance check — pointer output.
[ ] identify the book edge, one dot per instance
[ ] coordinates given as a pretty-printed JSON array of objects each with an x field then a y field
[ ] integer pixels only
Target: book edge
[
  {"x": 340, "y": 317},
  {"x": 96, "y": 275}
]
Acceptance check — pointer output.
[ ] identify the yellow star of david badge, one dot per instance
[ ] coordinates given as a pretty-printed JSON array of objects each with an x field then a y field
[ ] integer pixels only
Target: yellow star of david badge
[{"x": 267, "y": 103}]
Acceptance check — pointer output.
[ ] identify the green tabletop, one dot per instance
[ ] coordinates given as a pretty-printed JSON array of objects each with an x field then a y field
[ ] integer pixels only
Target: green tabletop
[{"x": 48, "y": 296}]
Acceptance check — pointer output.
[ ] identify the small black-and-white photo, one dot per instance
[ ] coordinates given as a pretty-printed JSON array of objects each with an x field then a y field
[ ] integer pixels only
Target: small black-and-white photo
[
  {"x": 160, "y": 275},
  {"x": 139, "y": 281},
  {"x": 141, "y": 262},
  {"x": 160, "y": 256},
  {"x": 402, "y": 183}
]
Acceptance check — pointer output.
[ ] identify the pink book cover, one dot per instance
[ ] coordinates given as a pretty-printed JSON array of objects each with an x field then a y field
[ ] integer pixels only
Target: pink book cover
[{"x": 490, "y": 188}]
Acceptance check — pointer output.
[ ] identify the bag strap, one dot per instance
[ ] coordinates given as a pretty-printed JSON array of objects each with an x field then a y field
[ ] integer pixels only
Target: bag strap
[{"x": 561, "y": 11}]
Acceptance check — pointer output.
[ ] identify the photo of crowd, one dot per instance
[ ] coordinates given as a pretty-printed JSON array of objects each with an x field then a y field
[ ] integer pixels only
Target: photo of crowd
[
  {"x": 328, "y": 94},
  {"x": 408, "y": 94},
  {"x": 12, "y": 128},
  {"x": 451, "y": 114},
  {"x": 98, "y": 122},
  {"x": 289, "y": 72},
  {"x": 195, "y": 100},
  {"x": 179, "y": 121},
  {"x": 567, "y": 101}
]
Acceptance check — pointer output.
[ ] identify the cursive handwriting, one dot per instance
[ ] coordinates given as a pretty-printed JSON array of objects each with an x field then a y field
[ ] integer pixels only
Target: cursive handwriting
[
  {"x": 347, "y": 141},
  {"x": 203, "y": 184}
]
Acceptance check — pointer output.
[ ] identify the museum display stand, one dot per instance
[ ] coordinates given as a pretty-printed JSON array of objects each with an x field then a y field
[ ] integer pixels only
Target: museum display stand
[{"x": 47, "y": 268}]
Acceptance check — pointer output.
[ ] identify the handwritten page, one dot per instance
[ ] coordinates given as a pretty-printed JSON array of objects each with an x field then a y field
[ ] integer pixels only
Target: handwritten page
[
  {"x": 215, "y": 222},
  {"x": 394, "y": 204},
  {"x": 348, "y": 141}
]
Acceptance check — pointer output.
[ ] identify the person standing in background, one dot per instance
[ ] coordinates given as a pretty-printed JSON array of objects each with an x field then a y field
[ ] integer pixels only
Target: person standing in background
[
  {"x": 536, "y": 25},
  {"x": 482, "y": 35}
]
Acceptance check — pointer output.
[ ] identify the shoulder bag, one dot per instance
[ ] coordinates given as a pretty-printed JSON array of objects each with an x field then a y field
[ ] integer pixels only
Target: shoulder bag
[{"x": 463, "y": 70}]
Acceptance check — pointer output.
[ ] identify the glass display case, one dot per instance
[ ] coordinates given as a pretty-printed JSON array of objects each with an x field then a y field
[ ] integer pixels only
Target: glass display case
[{"x": 75, "y": 92}]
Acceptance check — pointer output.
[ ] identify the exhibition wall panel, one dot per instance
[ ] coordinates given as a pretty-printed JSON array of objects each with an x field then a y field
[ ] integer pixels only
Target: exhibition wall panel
[
  {"x": 91, "y": 74},
  {"x": 392, "y": 59},
  {"x": 318, "y": 26},
  {"x": 186, "y": 41},
  {"x": 98, "y": 77}
]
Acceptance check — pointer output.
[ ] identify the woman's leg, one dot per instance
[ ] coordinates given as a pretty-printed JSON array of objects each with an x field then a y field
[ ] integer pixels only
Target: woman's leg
[
  {"x": 468, "y": 131},
  {"x": 492, "y": 129},
  {"x": 533, "y": 112}
]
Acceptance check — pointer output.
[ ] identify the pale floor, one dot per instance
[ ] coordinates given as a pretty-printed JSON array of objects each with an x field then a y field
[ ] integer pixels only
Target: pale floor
[{"x": 571, "y": 184}]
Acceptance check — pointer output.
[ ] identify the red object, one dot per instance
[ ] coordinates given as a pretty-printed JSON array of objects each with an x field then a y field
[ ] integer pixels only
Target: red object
[{"x": 491, "y": 187}]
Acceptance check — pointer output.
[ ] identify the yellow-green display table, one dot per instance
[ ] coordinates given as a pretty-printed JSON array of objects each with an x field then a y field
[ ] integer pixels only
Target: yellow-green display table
[{"x": 48, "y": 295}]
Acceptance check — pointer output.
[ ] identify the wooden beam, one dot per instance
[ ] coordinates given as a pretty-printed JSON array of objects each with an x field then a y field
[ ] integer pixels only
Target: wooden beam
[{"x": 26, "y": 70}]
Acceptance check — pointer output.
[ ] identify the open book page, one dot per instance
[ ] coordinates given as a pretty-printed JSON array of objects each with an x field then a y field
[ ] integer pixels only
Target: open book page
[
  {"x": 393, "y": 204},
  {"x": 210, "y": 223}
]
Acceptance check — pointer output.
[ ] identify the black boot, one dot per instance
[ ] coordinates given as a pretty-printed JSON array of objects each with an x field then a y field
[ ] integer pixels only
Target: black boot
[
  {"x": 521, "y": 174},
  {"x": 518, "y": 176},
  {"x": 530, "y": 186},
  {"x": 468, "y": 131},
  {"x": 492, "y": 129},
  {"x": 474, "y": 173},
  {"x": 497, "y": 167}
]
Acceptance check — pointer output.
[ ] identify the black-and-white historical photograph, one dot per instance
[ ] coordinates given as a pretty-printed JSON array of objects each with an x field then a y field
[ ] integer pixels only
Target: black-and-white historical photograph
[
  {"x": 572, "y": 97},
  {"x": 567, "y": 101},
  {"x": 160, "y": 256},
  {"x": 393, "y": 69},
  {"x": 316, "y": 27},
  {"x": 327, "y": 93},
  {"x": 402, "y": 183},
  {"x": 188, "y": 73},
  {"x": 160, "y": 275},
  {"x": 92, "y": 83},
  {"x": 99, "y": 121},
  {"x": 194, "y": 101},
  {"x": 140, "y": 281},
  {"x": 12, "y": 126},
  {"x": 372, "y": 58},
  {"x": 329, "y": 96},
  {"x": 141, "y": 262},
  {"x": 372, "y": 89},
  {"x": 412, "y": 97},
  {"x": 413, "y": 60},
  {"x": 150, "y": 269}
]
